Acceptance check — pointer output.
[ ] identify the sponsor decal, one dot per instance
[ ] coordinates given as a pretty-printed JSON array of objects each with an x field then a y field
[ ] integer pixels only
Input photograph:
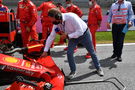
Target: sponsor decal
[
  {"x": 11, "y": 60},
  {"x": 19, "y": 70}
]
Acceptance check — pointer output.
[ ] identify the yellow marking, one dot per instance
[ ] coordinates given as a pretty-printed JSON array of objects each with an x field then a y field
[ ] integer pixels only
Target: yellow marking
[
  {"x": 35, "y": 46},
  {"x": 11, "y": 60}
]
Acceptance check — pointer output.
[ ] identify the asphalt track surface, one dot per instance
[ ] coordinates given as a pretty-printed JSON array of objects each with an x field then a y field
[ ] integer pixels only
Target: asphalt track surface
[{"x": 123, "y": 71}]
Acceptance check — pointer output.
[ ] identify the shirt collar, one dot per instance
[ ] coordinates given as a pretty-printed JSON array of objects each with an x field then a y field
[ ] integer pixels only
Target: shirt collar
[{"x": 63, "y": 18}]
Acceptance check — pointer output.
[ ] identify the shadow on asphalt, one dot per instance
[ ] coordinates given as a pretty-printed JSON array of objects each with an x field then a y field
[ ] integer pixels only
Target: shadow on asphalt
[
  {"x": 58, "y": 53},
  {"x": 78, "y": 59},
  {"x": 84, "y": 76},
  {"x": 107, "y": 62}
]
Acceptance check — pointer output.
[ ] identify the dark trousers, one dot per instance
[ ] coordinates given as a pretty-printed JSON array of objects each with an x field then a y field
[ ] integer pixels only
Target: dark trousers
[
  {"x": 118, "y": 38},
  {"x": 86, "y": 41}
]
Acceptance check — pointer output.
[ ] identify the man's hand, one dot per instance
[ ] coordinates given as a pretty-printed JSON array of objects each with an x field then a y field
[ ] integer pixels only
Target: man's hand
[
  {"x": 44, "y": 54},
  {"x": 28, "y": 29},
  {"x": 130, "y": 24},
  {"x": 64, "y": 36},
  {"x": 108, "y": 26}
]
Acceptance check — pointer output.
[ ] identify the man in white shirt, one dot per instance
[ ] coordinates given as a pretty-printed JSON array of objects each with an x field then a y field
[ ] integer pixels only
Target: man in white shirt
[{"x": 73, "y": 27}]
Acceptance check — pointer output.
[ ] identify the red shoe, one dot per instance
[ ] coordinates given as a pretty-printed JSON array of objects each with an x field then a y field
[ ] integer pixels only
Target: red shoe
[
  {"x": 87, "y": 56},
  {"x": 75, "y": 50},
  {"x": 52, "y": 46},
  {"x": 65, "y": 49}
]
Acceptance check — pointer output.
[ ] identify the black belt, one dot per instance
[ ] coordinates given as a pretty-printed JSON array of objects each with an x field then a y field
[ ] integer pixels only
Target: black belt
[
  {"x": 119, "y": 24},
  {"x": 85, "y": 31}
]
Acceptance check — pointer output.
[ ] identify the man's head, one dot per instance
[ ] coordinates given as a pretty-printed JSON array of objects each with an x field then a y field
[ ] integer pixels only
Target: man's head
[
  {"x": 69, "y": 3},
  {"x": 55, "y": 15},
  {"x": 58, "y": 4},
  {"x": 92, "y": 2}
]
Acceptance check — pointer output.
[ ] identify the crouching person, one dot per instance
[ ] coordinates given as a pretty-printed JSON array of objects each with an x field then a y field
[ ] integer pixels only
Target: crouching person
[{"x": 74, "y": 28}]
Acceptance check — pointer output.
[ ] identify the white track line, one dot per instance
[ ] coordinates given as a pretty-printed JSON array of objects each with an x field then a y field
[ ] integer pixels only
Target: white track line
[{"x": 100, "y": 45}]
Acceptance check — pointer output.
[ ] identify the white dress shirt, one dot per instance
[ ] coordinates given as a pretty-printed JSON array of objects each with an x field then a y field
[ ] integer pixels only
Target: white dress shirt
[{"x": 72, "y": 25}]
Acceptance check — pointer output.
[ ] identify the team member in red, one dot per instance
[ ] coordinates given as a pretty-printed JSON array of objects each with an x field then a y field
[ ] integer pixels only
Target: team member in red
[
  {"x": 27, "y": 14},
  {"x": 63, "y": 10},
  {"x": 3, "y": 8},
  {"x": 73, "y": 8},
  {"x": 45, "y": 20},
  {"x": 94, "y": 21}
]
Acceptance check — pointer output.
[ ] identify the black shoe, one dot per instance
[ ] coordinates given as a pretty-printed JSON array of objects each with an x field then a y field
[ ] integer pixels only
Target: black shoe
[
  {"x": 119, "y": 59},
  {"x": 113, "y": 56},
  {"x": 71, "y": 75}
]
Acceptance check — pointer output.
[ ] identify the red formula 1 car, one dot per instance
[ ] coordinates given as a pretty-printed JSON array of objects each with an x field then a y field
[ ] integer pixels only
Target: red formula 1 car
[
  {"x": 38, "y": 73},
  {"x": 42, "y": 74}
]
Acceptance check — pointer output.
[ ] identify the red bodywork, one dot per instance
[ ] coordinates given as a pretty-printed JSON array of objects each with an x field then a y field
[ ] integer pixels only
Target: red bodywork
[
  {"x": 32, "y": 69},
  {"x": 35, "y": 46},
  {"x": 44, "y": 68}
]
